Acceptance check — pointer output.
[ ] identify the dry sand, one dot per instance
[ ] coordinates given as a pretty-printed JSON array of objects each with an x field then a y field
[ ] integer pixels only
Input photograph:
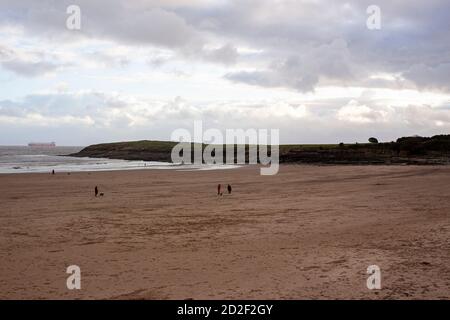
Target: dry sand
[{"x": 308, "y": 232}]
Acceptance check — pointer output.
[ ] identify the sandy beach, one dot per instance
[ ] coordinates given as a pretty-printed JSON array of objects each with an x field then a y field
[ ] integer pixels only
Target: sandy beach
[{"x": 309, "y": 232}]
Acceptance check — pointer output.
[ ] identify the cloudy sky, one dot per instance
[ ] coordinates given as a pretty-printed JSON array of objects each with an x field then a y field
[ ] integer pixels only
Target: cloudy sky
[{"x": 141, "y": 69}]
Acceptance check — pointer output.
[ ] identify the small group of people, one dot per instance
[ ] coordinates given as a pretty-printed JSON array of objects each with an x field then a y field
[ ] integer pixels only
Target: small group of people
[{"x": 219, "y": 189}]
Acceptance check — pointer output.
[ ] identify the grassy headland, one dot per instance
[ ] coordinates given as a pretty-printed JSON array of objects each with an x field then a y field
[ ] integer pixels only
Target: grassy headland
[{"x": 407, "y": 150}]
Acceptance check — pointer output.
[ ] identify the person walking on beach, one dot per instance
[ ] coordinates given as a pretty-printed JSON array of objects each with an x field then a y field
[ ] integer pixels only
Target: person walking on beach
[
  {"x": 219, "y": 187},
  {"x": 53, "y": 172},
  {"x": 229, "y": 189},
  {"x": 96, "y": 191}
]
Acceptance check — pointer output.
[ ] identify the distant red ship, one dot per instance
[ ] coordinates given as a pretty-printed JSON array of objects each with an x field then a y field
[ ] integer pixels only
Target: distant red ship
[{"x": 42, "y": 144}]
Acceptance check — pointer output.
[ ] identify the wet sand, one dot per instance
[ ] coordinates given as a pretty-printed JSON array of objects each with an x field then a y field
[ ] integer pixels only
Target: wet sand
[{"x": 309, "y": 232}]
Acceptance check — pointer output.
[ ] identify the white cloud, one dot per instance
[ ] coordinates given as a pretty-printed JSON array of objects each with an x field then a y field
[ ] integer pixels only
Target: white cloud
[
  {"x": 125, "y": 117},
  {"x": 354, "y": 112},
  {"x": 26, "y": 63}
]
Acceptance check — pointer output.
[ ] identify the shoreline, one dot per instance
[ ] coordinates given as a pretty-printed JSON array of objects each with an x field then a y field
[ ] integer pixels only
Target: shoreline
[
  {"x": 163, "y": 166},
  {"x": 179, "y": 167}
]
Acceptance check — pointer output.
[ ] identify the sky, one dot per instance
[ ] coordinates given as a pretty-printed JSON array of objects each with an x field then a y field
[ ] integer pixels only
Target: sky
[{"x": 141, "y": 69}]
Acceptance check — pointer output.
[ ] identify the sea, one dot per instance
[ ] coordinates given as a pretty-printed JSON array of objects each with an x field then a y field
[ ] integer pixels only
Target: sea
[{"x": 23, "y": 159}]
